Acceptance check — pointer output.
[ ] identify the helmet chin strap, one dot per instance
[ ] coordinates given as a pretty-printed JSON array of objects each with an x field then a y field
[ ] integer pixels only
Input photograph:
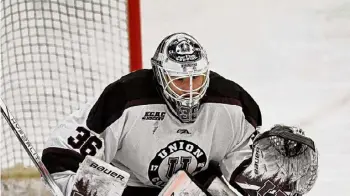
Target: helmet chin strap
[{"x": 186, "y": 114}]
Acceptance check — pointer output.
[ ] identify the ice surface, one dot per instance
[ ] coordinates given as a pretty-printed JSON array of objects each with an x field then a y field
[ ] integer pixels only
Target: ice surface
[{"x": 292, "y": 56}]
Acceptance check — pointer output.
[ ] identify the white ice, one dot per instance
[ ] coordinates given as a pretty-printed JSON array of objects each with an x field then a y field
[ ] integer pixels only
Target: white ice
[{"x": 293, "y": 57}]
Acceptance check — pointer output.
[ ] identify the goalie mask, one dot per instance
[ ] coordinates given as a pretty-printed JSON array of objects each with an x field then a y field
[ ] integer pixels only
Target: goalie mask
[{"x": 180, "y": 65}]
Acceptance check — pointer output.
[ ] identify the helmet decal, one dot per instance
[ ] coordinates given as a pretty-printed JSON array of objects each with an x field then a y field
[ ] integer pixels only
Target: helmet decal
[{"x": 184, "y": 51}]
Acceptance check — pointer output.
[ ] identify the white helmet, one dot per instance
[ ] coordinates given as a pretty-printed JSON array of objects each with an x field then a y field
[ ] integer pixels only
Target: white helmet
[{"x": 180, "y": 56}]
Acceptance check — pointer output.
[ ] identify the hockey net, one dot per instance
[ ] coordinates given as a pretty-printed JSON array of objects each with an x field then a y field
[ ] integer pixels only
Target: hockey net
[{"x": 56, "y": 55}]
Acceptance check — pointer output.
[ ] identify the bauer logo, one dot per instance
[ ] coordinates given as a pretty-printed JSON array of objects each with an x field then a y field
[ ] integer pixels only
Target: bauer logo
[
  {"x": 154, "y": 116},
  {"x": 107, "y": 171},
  {"x": 184, "y": 51}
]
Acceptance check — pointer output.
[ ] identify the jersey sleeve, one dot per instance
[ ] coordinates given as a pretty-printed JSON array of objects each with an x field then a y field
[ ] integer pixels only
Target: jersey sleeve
[
  {"x": 94, "y": 129},
  {"x": 244, "y": 125},
  {"x": 240, "y": 149}
]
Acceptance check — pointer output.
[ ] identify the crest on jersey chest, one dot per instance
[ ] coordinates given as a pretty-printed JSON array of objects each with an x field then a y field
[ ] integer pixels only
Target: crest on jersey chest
[{"x": 178, "y": 155}]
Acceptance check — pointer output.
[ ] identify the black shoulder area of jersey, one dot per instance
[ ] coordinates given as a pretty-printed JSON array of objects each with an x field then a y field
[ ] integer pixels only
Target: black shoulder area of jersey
[
  {"x": 136, "y": 88},
  {"x": 222, "y": 90}
]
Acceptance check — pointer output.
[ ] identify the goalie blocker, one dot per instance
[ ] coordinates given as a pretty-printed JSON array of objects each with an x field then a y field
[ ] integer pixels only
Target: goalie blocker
[{"x": 96, "y": 177}]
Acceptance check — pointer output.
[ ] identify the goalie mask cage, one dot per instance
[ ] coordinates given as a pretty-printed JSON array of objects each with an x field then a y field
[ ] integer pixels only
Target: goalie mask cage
[{"x": 56, "y": 55}]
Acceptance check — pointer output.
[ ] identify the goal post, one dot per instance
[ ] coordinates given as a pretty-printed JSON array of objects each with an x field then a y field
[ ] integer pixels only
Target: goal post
[
  {"x": 135, "y": 42},
  {"x": 55, "y": 56}
]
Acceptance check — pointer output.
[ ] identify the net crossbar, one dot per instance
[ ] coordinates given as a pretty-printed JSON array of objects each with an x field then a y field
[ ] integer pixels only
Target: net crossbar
[{"x": 55, "y": 56}]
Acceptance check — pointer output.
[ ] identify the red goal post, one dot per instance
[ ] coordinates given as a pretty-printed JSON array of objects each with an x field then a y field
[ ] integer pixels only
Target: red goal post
[{"x": 135, "y": 41}]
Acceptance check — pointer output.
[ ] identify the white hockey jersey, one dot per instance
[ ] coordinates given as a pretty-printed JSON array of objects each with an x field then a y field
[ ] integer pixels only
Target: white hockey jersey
[{"x": 137, "y": 132}]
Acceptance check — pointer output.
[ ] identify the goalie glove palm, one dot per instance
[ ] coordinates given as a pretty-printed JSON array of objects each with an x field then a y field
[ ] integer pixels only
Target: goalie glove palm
[
  {"x": 287, "y": 155},
  {"x": 284, "y": 160}
]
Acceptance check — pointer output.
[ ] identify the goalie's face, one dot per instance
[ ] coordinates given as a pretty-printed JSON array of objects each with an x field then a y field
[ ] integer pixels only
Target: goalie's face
[{"x": 186, "y": 87}]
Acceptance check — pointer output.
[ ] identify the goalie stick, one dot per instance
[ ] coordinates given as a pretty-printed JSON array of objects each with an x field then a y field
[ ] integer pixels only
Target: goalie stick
[{"x": 44, "y": 173}]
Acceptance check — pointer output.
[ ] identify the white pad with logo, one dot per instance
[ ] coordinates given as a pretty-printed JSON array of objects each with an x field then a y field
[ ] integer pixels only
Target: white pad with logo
[
  {"x": 181, "y": 184},
  {"x": 96, "y": 177}
]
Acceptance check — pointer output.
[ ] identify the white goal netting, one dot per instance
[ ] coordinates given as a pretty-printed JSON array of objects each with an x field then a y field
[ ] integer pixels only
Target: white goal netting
[{"x": 55, "y": 55}]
